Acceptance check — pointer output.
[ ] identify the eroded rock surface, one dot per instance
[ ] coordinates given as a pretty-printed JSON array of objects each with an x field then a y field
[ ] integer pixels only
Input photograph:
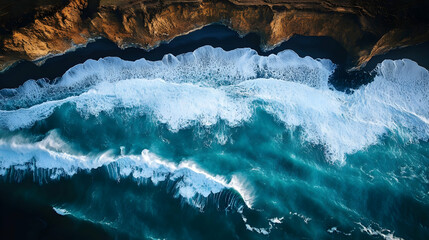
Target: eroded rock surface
[{"x": 363, "y": 28}]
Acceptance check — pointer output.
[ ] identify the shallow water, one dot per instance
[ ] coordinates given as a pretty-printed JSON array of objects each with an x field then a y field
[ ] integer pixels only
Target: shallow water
[{"x": 215, "y": 144}]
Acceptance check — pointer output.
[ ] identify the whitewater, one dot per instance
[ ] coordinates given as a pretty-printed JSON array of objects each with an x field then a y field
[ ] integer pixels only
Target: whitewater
[{"x": 258, "y": 132}]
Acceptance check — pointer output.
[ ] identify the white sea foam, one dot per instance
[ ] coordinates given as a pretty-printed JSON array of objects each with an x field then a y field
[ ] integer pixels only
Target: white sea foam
[
  {"x": 377, "y": 231},
  {"x": 335, "y": 230},
  {"x": 304, "y": 218},
  {"x": 261, "y": 230},
  {"x": 210, "y": 84},
  {"x": 81, "y": 216},
  {"x": 276, "y": 220},
  {"x": 49, "y": 156},
  {"x": 61, "y": 211},
  {"x": 206, "y": 66}
]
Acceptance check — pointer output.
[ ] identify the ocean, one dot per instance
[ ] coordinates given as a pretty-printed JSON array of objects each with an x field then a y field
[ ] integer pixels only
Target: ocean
[{"x": 217, "y": 143}]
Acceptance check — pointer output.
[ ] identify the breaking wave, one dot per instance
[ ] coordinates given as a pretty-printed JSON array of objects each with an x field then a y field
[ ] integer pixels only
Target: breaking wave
[
  {"x": 47, "y": 161},
  {"x": 208, "y": 85}
]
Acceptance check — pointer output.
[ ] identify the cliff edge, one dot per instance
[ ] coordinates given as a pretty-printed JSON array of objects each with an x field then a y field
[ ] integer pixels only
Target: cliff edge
[{"x": 31, "y": 29}]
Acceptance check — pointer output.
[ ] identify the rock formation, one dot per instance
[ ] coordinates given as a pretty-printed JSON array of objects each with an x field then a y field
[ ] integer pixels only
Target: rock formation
[{"x": 33, "y": 29}]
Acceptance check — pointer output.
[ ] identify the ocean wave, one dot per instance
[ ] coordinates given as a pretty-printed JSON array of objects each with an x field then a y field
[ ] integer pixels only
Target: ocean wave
[
  {"x": 192, "y": 92},
  {"x": 206, "y": 66},
  {"x": 47, "y": 161}
]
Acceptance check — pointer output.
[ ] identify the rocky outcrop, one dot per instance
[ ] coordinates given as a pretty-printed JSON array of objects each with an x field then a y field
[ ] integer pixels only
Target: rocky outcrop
[{"x": 363, "y": 28}]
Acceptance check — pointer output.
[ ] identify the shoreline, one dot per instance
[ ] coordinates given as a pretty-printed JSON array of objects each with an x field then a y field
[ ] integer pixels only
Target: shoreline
[{"x": 216, "y": 35}]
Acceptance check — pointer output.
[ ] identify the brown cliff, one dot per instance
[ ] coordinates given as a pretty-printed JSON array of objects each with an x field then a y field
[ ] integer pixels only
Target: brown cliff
[{"x": 363, "y": 28}]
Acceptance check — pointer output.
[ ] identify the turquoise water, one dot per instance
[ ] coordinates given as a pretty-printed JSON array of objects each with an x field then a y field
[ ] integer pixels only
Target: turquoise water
[{"x": 215, "y": 144}]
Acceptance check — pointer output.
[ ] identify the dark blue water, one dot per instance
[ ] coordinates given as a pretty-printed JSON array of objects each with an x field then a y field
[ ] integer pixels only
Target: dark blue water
[{"x": 214, "y": 144}]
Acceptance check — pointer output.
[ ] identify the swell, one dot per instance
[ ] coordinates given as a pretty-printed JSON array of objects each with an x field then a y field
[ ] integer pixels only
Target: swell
[
  {"x": 209, "y": 85},
  {"x": 206, "y": 66},
  {"x": 272, "y": 124},
  {"x": 46, "y": 161}
]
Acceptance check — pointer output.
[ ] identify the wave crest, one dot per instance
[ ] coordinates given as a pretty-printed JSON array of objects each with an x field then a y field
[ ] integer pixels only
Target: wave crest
[
  {"x": 45, "y": 163},
  {"x": 208, "y": 85}
]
